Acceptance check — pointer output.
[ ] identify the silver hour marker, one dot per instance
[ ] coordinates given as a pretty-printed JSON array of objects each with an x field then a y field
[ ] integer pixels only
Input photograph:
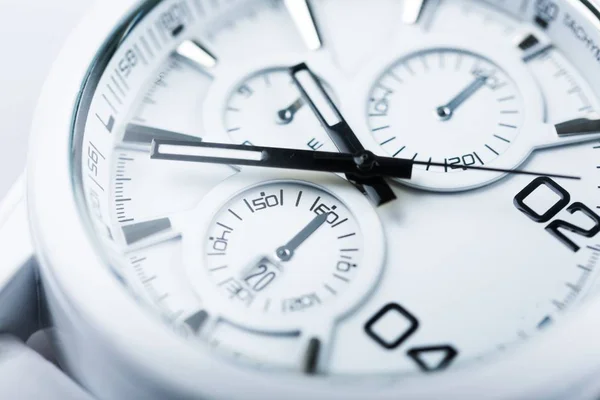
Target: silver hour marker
[
  {"x": 579, "y": 126},
  {"x": 528, "y": 42},
  {"x": 532, "y": 47},
  {"x": 137, "y": 232},
  {"x": 197, "y": 320},
  {"x": 196, "y": 53},
  {"x": 304, "y": 19},
  {"x": 140, "y": 134},
  {"x": 412, "y": 11},
  {"x": 311, "y": 357},
  {"x": 575, "y": 131}
]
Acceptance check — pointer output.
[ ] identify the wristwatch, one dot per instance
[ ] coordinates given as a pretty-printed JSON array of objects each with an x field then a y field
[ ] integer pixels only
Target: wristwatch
[{"x": 325, "y": 199}]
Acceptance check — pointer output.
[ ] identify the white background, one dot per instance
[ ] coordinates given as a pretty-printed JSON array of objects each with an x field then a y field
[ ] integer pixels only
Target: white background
[{"x": 31, "y": 35}]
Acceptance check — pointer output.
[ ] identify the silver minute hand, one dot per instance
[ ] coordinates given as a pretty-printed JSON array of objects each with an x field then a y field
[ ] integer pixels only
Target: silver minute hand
[{"x": 274, "y": 157}]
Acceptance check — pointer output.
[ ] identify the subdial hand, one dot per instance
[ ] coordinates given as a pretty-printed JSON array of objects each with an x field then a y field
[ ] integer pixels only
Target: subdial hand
[
  {"x": 286, "y": 252},
  {"x": 286, "y": 115},
  {"x": 365, "y": 165},
  {"x": 445, "y": 112}
]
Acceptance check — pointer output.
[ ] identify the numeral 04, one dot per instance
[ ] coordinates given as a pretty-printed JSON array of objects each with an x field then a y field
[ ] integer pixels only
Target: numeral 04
[
  {"x": 393, "y": 325},
  {"x": 555, "y": 227}
]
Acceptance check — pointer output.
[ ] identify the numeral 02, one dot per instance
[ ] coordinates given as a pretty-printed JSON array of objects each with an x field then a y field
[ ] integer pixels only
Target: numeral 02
[{"x": 554, "y": 227}]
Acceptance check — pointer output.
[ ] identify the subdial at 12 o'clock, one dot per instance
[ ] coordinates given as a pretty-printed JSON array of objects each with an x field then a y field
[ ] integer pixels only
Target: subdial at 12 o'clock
[
  {"x": 267, "y": 109},
  {"x": 445, "y": 106}
]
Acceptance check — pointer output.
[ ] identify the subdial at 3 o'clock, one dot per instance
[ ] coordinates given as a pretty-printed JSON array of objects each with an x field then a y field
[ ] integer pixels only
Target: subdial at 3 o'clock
[
  {"x": 445, "y": 106},
  {"x": 267, "y": 108}
]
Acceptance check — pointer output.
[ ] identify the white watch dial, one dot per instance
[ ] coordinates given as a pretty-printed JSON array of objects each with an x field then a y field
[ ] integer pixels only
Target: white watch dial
[{"x": 310, "y": 272}]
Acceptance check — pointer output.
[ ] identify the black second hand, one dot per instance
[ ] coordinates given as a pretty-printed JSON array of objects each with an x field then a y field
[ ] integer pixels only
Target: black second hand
[{"x": 491, "y": 169}]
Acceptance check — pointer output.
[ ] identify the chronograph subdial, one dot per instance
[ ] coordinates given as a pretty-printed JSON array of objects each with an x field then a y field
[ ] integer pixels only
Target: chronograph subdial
[
  {"x": 299, "y": 264},
  {"x": 445, "y": 106},
  {"x": 267, "y": 107},
  {"x": 284, "y": 250}
]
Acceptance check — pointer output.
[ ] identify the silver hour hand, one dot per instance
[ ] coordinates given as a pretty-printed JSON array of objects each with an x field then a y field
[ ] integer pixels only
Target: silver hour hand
[
  {"x": 337, "y": 128},
  {"x": 445, "y": 112},
  {"x": 286, "y": 252},
  {"x": 325, "y": 109}
]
